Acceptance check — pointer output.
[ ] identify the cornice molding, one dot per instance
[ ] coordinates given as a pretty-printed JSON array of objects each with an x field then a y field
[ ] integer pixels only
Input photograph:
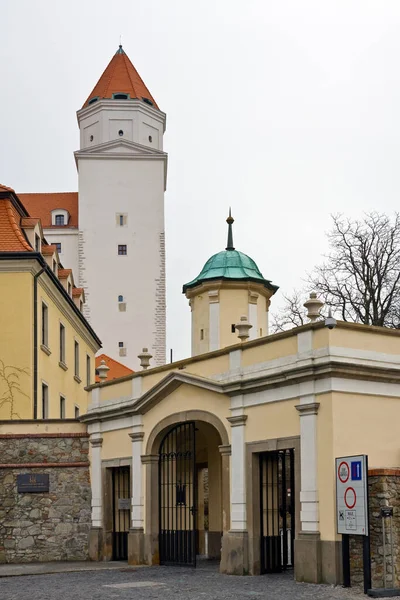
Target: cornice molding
[
  {"x": 148, "y": 459},
  {"x": 225, "y": 450},
  {"x": 237, "y": 420},
  {"x": 96, "y": 442},
  {"x": 137, "y": 436},
  {"x": 311, "y": 408}
]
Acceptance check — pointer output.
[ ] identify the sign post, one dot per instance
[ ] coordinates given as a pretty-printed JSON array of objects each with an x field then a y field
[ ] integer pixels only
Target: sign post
[{"x": 352, "y": 511}]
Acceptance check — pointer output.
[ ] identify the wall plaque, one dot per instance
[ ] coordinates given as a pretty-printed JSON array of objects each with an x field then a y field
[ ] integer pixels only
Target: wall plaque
[
  {"x": 32, "y": 483},
  {"x": 124, "y": 503}
]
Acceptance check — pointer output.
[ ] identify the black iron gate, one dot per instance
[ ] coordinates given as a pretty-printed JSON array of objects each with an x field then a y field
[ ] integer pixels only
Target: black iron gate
[
  {"x": 178, "y": 496},
  {"x": 277, "y": 507},
  {"x": 121, "y": 512}
]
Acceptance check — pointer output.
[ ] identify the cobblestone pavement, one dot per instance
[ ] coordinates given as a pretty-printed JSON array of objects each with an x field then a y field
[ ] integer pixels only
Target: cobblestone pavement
[{"x": 165, "y": 583}]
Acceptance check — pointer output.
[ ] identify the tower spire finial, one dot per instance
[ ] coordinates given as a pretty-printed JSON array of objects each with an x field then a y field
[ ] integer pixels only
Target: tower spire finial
[{"x": 230, "y": 220}]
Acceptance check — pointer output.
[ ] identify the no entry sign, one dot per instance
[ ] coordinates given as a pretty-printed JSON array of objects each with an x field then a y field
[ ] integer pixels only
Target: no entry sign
[{"x": 351, "y": 495}]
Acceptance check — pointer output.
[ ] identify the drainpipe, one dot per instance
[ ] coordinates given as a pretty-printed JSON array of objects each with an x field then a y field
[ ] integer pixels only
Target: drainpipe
[{"x": 35, "y": 343}]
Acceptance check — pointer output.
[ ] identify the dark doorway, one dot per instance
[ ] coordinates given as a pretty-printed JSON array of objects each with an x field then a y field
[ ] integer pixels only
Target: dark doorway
[
  {"x": 277, "y": 510},
  {"x": 178, "y": 496},
  {"x": 121, "y": 512}
]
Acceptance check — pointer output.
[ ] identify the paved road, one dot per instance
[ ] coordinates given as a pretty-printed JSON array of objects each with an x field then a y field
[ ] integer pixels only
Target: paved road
[{"x": 165, "y": 583}]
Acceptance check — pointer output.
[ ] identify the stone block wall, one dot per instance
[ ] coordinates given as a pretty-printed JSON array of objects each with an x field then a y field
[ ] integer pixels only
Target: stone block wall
[
  {"x": 45, "y": 526},
  {"x": 384, "y": 490}
]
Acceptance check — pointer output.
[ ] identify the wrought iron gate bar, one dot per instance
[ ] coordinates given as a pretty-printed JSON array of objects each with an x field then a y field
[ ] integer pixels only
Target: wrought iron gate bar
[{"x": 177, "y": 496}]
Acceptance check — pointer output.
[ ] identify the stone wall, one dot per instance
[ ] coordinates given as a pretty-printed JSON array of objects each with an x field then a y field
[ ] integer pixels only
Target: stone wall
[
  {"x": 52, "y": 525},
  {"x": 384, "y": 490}
]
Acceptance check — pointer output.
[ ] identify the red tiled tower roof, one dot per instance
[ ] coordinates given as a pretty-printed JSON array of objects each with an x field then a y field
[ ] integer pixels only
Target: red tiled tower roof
[{"x": 120, "y": 76}]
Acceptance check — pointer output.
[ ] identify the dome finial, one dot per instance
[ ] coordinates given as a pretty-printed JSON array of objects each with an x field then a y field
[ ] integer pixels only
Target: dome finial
[{"x": 230, "y": 220}]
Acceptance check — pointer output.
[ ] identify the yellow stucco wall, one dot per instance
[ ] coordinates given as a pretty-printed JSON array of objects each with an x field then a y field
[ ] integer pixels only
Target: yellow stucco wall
[
  {"x": 233, "y": 304},
  {"x": 269, "y": 351},
  {"x": 326, "y": 468},
  {"x": 59, "y": 381},
  {"x": 116, "y": 444},
  {"x": 272, "y": 420},
  {"x": 200, "y": 321},
  {"x": 376, "y": 340},
  {"x": 16, "y": 345},
  {"x": 122, "y": 389}
]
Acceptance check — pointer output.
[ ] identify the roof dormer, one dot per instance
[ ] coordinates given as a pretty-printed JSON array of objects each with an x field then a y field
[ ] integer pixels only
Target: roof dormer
[
  {"x": 50, "y": 255},
  {"x": 66, "y": 278},
  {"x": 59, "y": 217},
  {"x": 78, "y": 296},
  {"x": 33, "y": 230}
]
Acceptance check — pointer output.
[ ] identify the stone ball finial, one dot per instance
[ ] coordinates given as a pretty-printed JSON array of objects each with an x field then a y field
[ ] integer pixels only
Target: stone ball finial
[
  {"x": 102, "y": 370},
  {"x": 313, "y": 306},
  {"x": 144, "y": 358},
  {"x": 243, "y": 328}
]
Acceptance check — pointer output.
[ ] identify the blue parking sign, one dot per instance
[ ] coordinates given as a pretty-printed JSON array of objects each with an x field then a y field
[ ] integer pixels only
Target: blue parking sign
[{"x": 356, "y": 472}]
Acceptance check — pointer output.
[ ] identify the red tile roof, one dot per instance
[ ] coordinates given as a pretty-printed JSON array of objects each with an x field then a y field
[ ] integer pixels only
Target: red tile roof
[
  {"x": 48, "y": 250},
  {"x": 120, "y": 76},
  {"x": 64, "y": 273},
  {"x": 29, "y": 222},
  {"x": 41, "y": 204},
  {"x": 76, "y": 292},
  {"x": 12, "y": 238},
  {"x": 4, "y": 188},
  {"x": 116, "y": 371}
]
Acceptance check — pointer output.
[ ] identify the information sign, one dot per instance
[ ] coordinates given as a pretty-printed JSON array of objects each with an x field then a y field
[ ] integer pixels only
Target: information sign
[
  {"x": 352, "y": 495},
  {"x": 32, "y": 483}
]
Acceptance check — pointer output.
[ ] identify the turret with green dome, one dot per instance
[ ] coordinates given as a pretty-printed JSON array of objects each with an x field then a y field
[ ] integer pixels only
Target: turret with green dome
[
  {"x": 230, "y": 264},
  {"x": 229, "y": 286}
]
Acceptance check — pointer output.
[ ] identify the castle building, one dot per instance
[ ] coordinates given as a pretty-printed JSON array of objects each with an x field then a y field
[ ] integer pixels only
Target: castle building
[{"x": 112, "y": 231}]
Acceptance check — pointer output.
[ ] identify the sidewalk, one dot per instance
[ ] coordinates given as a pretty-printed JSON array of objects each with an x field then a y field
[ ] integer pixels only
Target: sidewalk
[{"x": 45, "y": 568}]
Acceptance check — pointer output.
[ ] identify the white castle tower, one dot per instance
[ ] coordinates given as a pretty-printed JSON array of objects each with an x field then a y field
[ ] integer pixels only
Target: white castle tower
[{"x": 122, "y": 173}]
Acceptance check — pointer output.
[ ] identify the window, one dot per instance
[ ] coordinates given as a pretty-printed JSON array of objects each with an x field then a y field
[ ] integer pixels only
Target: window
[
  {"x": 76, "y": 358},
  {"x": 147, "y": 101},
  {"x": 62, "y": 407},
  {"x": 93, "y": 100},
  {"x": 122, "y": 249},
  {"x": 45, "y": 325},
  {"x": 58, "y": 246},
  {"x": 233, "y": 328},
  {"x": 120, "y": 344},
  {"x": 150, "y": 138},
  {"x": 81, "y": 305},
  {"x": 202, "y": 334},
  {"x": 45, "y": 401},
  {"x": 59, "y": 220},
  {"x": 91, "y": 138},
  {"x": 120, "y": 298},
  {"x": 62, "y": 343},
  {"x": 120, "y": 133},
  {"x": 54, "y": 266},
  {"x": 121, "y": 219},
  {"x": 120, "y": 96},
  {"x": 88, "y": 370},
  {"x": 76, "y": 412},
  {"x": 37, "y": 243},
  {"x": 69, "y": 286}
]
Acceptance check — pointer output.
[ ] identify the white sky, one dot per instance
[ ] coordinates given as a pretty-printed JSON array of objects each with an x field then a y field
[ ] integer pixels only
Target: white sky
[{"x": 287, "y": 110}]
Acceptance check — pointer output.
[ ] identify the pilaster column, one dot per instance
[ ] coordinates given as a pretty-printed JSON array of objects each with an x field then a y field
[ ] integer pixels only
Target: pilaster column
[
  {"x": 225, "y": 452},
  {"x": 96, "y": 442},
  {"x": 309, "y": 514},
  {"x": 238, "y": 474},
  {"x": 137, "y": 480},
  {"x": 253, "y": 317},
  {"x": 213, "y": 297}
]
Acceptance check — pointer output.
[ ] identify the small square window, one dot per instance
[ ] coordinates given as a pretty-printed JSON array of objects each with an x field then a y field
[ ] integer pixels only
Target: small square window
[
  {"x": 59, "y": 220},
  {"x": 120, "y": 298},
  {"x": 122, "y": 250},
  {"x": 120, "y": 344},
  {"x": 58, "y": 246}
]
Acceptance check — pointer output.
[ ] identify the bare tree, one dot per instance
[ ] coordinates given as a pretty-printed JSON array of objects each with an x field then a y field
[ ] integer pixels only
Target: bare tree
[
  {"x": 291, "y": 315},
  {"x": 10, "y": 376},
  {"x": 360, "y": 277}
]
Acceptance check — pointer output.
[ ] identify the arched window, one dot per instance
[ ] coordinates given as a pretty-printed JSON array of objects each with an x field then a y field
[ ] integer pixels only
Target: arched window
[{"x": 59, "y": 216}]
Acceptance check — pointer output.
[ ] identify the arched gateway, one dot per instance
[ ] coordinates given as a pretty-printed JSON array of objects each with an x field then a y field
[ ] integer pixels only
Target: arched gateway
[{"x": 187, "y": 506}]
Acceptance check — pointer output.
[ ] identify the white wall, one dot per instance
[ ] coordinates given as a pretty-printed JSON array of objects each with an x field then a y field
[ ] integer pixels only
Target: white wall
[
  {"x": 69, "y": 248},
  {"x": 136, "y": 188}
]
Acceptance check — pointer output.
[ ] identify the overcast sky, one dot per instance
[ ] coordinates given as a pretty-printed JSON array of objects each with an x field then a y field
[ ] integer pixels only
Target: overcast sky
[{"x": 287, "y": 110}]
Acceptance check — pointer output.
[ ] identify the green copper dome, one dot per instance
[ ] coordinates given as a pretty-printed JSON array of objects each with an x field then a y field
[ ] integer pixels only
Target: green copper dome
[{"x": 230, "y": 264}]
